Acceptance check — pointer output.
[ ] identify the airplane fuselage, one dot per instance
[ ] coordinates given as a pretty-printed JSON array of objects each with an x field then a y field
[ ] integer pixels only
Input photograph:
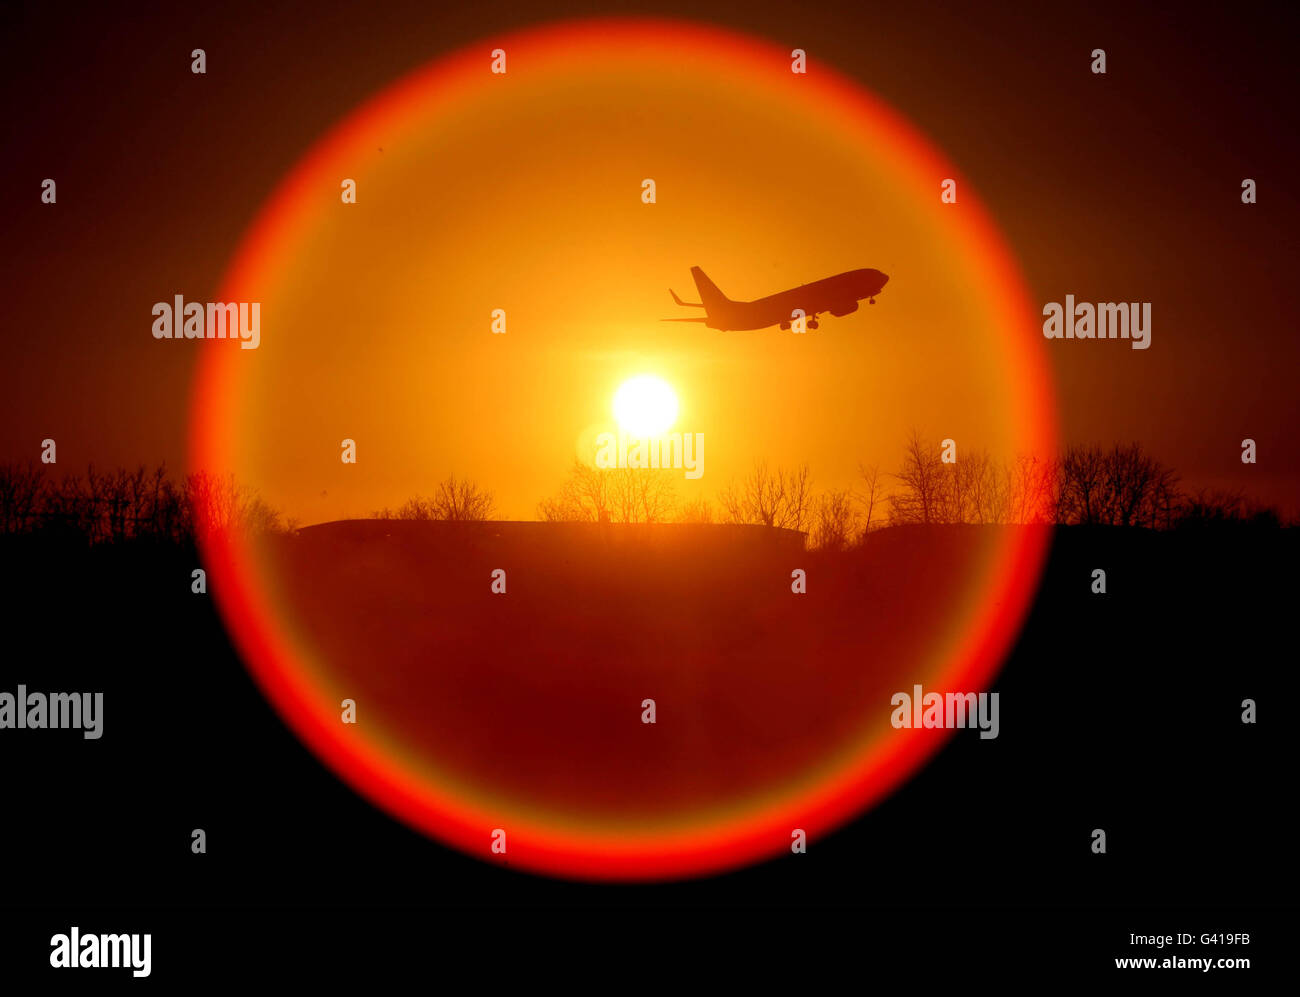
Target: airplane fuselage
[{"x": 838, "y": 295}]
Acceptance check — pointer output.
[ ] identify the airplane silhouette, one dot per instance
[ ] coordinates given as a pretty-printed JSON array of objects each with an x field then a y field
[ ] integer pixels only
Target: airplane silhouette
[{"x": 838, "y": 295}]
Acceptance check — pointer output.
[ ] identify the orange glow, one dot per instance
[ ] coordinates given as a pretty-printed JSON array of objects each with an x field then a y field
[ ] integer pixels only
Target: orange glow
[{"x": 521, "y": 192}]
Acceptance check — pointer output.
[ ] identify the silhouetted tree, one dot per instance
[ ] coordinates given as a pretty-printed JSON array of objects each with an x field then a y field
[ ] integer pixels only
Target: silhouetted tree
[
  {"x": 643, "y": 494},
  {"x": 1206, "y": 509},
  {"x": 220, "y": 506},
  {"x": 975, "y": 489},
  {"x": 835, "y": 521},
  {"x": 1034, "y": 493},
  {"x": 1081, "y": 498},
  {"x": 612, "y": 495},
  {"x": 455, "y": 500},
  {"x": 922, "y": 477},
  {"x": 871, "y": 494},
  {"x": 698, "y": 511},
  {"x": 1124, "y": 486},
  {"x": 118, "y": 505},
  {"x": 584, "y": 497},
  {"x": 769, "y": 498},
  {"x": 462, "y": 500},
  {"x": 22, "y": 497}
]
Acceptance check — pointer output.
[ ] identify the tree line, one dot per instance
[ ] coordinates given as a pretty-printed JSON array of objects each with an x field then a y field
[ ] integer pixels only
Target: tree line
[
  {"x": 1085, "y": 486},
  {"x": 144, "y": 504}
]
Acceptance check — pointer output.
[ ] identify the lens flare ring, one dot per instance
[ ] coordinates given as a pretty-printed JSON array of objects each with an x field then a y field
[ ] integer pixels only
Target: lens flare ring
[{"x": 280, "y": 661}]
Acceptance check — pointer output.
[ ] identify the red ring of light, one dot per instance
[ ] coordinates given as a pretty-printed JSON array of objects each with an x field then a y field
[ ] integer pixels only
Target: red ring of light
[{"x": 283, "y": 677}]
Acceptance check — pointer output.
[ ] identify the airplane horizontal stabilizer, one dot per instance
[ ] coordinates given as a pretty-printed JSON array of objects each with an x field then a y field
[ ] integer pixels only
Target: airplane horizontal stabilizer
[
  {"x": 681, "y": 320},
  {"x": 688, "y": 304}
]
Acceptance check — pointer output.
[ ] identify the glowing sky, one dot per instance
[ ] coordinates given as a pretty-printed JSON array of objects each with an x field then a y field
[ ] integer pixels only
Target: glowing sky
[{"x": 523, "y": 192}]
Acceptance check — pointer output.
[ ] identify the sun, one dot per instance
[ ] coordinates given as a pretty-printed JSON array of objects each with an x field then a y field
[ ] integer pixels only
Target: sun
[{"x": 645, "y": 406}]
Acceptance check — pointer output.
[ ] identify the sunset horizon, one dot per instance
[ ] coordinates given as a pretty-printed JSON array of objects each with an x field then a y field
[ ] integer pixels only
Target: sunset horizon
[{"x": 548, "y": 487}]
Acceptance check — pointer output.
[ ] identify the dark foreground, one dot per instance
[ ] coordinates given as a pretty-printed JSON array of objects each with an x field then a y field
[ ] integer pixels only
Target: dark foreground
[{"x": 1120, "y": 712}]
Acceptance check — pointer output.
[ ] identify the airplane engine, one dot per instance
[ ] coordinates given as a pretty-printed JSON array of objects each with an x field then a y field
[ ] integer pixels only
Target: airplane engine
[{"x": 839, "y": 311}]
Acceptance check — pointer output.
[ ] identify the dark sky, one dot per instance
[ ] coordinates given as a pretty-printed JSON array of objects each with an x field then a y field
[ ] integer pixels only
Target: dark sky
[{"x": 1117, "y": 187}]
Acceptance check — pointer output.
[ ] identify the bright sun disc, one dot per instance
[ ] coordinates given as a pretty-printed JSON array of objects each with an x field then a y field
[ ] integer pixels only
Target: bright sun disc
[{"x": 645, "y": 406}]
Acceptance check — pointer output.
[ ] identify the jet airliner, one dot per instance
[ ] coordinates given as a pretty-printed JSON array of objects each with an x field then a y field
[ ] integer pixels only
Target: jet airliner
[{"x": 838, "y": 295}]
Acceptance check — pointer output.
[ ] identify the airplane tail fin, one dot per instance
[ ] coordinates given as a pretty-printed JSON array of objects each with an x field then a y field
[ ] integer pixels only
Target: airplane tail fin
[{"x": 709, "y": 293}]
